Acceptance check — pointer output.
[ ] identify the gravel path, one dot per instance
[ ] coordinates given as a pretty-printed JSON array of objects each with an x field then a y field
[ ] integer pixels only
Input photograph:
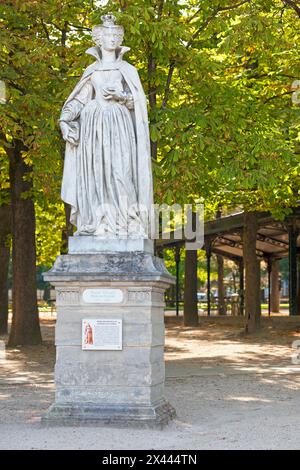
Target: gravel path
[{"x": 230, "y": 392}]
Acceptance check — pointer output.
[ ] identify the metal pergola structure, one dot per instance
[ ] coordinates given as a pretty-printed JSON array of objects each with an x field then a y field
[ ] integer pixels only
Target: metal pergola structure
[{"x": 224, "y": 236}]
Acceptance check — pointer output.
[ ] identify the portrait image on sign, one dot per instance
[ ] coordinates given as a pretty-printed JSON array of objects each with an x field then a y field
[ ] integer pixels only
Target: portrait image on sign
[{"x": 101, "y": 334}]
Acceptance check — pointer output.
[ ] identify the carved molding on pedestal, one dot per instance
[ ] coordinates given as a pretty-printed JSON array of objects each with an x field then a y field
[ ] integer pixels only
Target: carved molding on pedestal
[
  {"x": 66, "y": 296},
  {"x": 141, "y": 297}
]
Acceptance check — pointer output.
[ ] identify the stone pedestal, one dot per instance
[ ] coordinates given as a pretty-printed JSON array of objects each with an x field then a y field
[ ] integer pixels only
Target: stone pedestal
[{"x": 110, "y": 387}]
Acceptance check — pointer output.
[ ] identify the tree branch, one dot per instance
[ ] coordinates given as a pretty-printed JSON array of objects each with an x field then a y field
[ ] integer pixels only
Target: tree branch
[
  {"x": 123, "y": 5},
  {"x": 56, "y": 26},
  {"x": 183, "y": 131},
  {"x": 194, "y": 15},
  {"x": 160, "y": 8},
  {"x": 16, "y": 87},
  {"x": 290, "y": 92},
  {"x": 45, "y": 30},
  {"x": 64, "y": 32},
  {"x": 3, "y": 137},
  {"x": 211, "y": 17},
  {"x": 81, "y": 28},
  {"x": 168, "y": 83},
  {"x": 236, "y": 5},
  {"x": 293, "y": 5}
]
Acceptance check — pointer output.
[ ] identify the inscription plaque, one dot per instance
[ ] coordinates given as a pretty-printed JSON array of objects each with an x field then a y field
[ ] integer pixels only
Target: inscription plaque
[{"x": 102, "y": 296}]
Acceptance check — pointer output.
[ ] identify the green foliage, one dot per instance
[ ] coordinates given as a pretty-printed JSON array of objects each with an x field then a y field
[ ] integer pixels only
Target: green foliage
[
  {"x": 224, "y": 125},
  {"x": 50, "y": 224},
  {"x": 218, "y": 79},
  {"x": 169, "y": 258},
  {"x": 37, "y": 52}
]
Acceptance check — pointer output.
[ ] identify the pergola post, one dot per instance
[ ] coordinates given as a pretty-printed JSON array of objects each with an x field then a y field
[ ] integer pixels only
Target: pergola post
[
  {"x": 275, "y": 293},
  {"x": 190, "y": 311},
  {"x": 221, "y": 286},
  {"x": 242, "y": 287},
  {"x": 208, "y": 260},
  {"x": 177, "y": 262},
  {"x": 293, "y": 269},
  {"x": 269, "y": 266}
]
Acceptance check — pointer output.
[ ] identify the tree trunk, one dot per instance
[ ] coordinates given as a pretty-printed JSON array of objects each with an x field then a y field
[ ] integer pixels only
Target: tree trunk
[
  {"x": 252, "y": 272},
  {"x": 25, "y": 323},
  {"x": 190, "y": 315},
  {"x": 5, "y": 230},
  {"x": 275, "y": 294},
  {"x": 221, "y": 286}
]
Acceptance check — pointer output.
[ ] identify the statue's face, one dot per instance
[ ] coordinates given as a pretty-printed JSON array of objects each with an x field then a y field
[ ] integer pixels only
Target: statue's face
[{"x": 111, "y": 39}]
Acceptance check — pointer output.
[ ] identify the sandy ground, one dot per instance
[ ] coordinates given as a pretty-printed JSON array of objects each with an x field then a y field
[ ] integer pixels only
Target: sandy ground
[{"x": 230, "y": 392}]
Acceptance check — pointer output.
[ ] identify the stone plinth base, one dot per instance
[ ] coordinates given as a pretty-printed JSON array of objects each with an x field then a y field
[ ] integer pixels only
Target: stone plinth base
[
  {"x": 118, "y": 387},
  {"x": 84, "y": 414}
]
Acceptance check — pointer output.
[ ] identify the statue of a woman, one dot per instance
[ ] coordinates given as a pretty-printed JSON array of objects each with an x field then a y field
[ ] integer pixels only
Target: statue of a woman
[{"x": 107, "y": 176}]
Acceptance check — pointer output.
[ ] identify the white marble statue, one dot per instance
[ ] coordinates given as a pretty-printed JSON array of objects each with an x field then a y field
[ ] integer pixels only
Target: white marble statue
[{"x": 107, "y": 176}]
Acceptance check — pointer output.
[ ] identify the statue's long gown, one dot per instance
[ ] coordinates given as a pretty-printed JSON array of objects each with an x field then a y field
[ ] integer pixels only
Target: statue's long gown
[{"x": 106, "y": 159}]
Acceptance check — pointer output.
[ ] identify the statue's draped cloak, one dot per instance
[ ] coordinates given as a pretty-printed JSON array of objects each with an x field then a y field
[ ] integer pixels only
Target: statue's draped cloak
[{"x": 140, "y": 120}]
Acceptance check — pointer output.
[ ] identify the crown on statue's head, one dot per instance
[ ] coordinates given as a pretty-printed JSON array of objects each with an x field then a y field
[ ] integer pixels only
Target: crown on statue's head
[{"x": 108, "y": 20}]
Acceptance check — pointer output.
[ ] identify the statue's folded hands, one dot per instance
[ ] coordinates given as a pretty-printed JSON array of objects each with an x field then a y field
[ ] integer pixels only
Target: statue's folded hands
[{"x": 123, "y": 97}]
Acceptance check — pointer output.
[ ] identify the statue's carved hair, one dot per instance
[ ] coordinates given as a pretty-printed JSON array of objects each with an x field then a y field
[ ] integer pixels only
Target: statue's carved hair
[{"x": 99, "y": 31}]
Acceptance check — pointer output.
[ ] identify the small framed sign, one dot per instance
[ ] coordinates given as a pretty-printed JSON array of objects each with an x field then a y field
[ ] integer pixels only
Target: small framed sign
[{"x": 102, "y": 334}]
